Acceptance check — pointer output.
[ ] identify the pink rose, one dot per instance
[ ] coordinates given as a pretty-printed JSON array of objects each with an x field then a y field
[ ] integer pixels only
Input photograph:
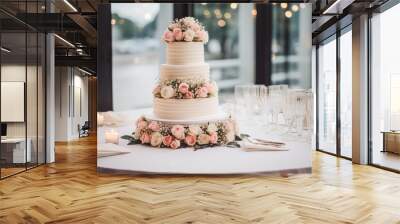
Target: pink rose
[
  {"x": 190, "y": 140},
  {"x": 157, "y": 89},
  {"x": 154, "y": 126},
  {"x": 141, "y": 118},
  {"x": 230, "y": 136},
  {"x": 177, "y": 34},
  {"x": 211, "y": 87},
  {"x": 188, "y": 95},
  {"x": 229, "y": 126},
  {"x": 205, "y": 37},
  {"x": 188, "y": 21},
  {"x": 195, "y": 26},
  {"x": 203, "y": 139},
  {"x": 145, "y": 138},
  {"x": 178, "y": 131},
  {"x": 188, "y": 35},
  {"x": 156, "y": 139},
  {"x": 213, "y": 138},
  {"x": 201, "y": 34},
  {"x": 175, "y": 144},
  {"x": 183, "y": 87},
  {"x": 141, "y": 124},
  {"x": 202, "y": 92},
  {"x": 172, "y": 26},
  {"x": 168, "y": 36},
  {"x": 167, "y": 140},
  {"x": 167, "y": 92}
]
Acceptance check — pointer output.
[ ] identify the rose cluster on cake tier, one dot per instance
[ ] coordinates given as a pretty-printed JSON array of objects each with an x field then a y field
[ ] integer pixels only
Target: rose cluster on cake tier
[{"x": 185, "y": 93}]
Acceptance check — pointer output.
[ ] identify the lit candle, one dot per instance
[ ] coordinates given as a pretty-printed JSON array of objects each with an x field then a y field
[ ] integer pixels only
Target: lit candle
[
  {"x": 111, "y": 136},
  {"x": 100, "y": 119}
]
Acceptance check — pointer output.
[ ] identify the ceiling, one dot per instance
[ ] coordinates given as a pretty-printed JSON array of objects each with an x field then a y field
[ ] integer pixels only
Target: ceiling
[{"x": 75, "y": 22}]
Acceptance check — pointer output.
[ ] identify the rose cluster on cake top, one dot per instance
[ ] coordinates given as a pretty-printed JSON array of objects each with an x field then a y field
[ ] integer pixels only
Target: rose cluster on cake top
[{"x": 186, "y": 29}]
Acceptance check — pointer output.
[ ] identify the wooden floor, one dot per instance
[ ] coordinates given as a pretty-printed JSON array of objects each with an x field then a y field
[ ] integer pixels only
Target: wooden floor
[{"x": 71, "y": 191}]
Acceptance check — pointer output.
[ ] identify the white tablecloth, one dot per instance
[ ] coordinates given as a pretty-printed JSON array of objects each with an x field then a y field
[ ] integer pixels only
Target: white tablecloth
[{"x": 215, "y": 160}]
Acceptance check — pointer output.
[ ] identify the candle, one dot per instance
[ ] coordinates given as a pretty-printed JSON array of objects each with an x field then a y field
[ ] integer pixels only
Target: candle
[
  {"x": 111, "y": 136},
  {"x": 100, "y": 119}
]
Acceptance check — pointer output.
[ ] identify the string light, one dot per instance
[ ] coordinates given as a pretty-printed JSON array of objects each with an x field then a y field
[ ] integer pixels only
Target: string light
[
  {"x": 254, "y": 12},
  {"x": 206, "y": 13},
  {"x": 227, "y": 15},
  {"x": 221, "y": 23},
  {"x": 288, "y": 14},
  {"x": 295, "y": 8},
  {"x": 234, "y": 5},
  {"x": 302, "y": 5},
  {"x": 284, "y": 5},
  {"x": 113, "y": 22},
  {"x": 218, "y": 13}
]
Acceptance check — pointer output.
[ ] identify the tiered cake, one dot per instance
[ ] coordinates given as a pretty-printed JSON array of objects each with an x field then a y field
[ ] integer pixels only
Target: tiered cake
[{"x": 186, "y": 111}]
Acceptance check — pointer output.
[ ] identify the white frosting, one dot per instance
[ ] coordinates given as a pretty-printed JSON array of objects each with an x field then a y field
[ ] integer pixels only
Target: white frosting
[
  {"x": 195, "y": 71},
  {"x": 178, "y": 109},
  {"x": 182, "y": 53},
  {"x": 220, "y": 116}
]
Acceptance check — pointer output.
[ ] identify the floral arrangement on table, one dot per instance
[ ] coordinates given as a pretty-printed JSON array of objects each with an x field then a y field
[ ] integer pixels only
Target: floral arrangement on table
[
  {"x": 159, "y": 134},
  {"x": 185, "y": 89},
  {"x": 186, "y": 29}
]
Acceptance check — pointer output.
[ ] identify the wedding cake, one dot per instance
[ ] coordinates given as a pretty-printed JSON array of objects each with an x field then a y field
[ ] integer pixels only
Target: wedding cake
[{"x": 185, "y": 110}]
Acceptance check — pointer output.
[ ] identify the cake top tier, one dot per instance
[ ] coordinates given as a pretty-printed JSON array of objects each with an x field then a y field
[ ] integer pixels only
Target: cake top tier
[{"x": 186, "y": 29}]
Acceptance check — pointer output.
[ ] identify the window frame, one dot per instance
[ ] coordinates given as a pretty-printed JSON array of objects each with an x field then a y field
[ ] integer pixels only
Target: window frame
[{"x": 333, "y": 37}]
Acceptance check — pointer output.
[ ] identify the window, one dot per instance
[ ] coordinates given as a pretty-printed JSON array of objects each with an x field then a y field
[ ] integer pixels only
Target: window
[
  {"x": 230, "y": 49},
  {"x": 346, "y": 94},
  {"x": 291, "y": 48},
  {"x": 327, "y": 96},
  {"x": 385, "y": 89},
  {"x": 22, "y": 88},
  {"x": 137, "y": 51}
]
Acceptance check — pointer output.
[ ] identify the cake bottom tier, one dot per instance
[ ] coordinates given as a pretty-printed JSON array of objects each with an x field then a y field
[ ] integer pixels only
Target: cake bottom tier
[
  {"x": 185, "y": 109},
  {"x": 184, "y": 133}
]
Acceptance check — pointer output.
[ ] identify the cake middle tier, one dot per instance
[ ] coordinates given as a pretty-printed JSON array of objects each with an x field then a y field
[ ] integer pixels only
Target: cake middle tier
[
  {"x": 179, "y": 109},
  {"x": 185, "y": 72}
]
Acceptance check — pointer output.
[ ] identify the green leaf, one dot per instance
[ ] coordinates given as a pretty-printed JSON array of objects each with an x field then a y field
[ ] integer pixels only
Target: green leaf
[
  {"x": 134, "y": 142},
  {"x": 233, "y": 145},
  {"x": 242, "y": 136},
  {"x": 197, "y": 147},
  {"x": 128, "y": 137}
]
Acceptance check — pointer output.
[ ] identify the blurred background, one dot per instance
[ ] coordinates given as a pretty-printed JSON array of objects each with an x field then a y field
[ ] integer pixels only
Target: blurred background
[{"x": 249, "y": 44}]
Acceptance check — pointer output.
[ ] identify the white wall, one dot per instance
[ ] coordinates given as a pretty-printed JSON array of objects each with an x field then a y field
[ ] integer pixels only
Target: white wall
[
  {"x": 16, "y": 73},
  {"x": 71, "y": 103}
]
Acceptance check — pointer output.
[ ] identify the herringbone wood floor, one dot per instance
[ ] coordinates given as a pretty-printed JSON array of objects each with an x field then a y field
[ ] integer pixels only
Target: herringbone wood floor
[{"x": 70, "y": 191}]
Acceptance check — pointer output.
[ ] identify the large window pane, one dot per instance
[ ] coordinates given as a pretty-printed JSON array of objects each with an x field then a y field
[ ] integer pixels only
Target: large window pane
[
  {"x": 346, "y": 94},
  {"x": 291, "y": 46},
  {"x": 230, "y": 50},
  {"x": 41, "y": 79},
  {"x": 385, "y": 84},
  {"x": 31, "y": 99},
  {"x": 13, "y": 86},
  {"x": 327, "y": 97},
  {"x": 137, "y": 51}
]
